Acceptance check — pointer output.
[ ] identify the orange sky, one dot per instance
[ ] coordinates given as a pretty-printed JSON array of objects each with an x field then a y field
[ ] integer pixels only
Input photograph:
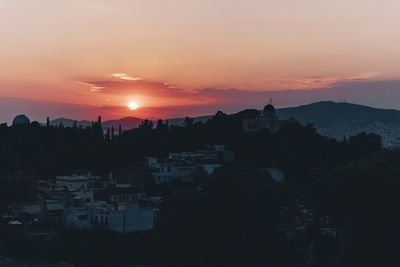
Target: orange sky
[{"x": 161, "y": 54}]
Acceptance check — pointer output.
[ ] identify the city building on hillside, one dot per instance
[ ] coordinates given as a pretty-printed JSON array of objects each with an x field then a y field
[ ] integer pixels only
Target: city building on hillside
[
  {"x": 183, "y": 165},
  {"x": 136, "y": 175},
  {"x": 267, "y": 120},
  {"x": 83, "y": 195},
  {"x": 77, "y": 182},
  {"x": 79, "y": 201},
  {"x": 102, "y": 215},
  {"x": 46, "y": 210},
  {"x": 121, "y": 194},
  {"x": 166, "y": 170}
]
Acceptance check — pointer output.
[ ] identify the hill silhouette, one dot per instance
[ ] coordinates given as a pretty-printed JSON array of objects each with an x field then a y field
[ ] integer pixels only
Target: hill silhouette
[
  {"x": 126, "y": 123},
  {"x": 328, "y": 113}
]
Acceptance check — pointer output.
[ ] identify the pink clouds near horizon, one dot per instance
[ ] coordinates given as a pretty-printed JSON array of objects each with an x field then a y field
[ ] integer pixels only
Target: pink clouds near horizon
[{"x": 379, "y": 93}]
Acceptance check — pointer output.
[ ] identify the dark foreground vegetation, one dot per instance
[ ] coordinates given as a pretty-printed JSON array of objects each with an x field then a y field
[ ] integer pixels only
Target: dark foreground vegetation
[{"x": 235, "y": 219}]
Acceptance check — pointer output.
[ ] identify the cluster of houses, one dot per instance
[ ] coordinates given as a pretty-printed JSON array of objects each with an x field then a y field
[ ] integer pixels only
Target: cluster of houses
[
  {"x": 117, "y": 201},
  {"x": 184, "y": 165},
  {"x": 85, "y": 201}
]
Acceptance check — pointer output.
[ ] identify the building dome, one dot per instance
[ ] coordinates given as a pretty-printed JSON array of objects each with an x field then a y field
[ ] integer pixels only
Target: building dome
[
  {"x": 21, "y": 120},
  {"x": 269, "y": 108}
]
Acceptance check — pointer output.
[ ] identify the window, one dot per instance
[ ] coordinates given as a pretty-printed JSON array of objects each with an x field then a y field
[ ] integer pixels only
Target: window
[{"x": 252, "y": 125}]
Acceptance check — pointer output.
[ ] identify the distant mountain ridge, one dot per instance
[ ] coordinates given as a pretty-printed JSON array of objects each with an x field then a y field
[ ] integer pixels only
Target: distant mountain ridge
[
  {"x": 326, "y": 113},
  {"x": 126, "y": 123},
  {"x": 339, "y": 120},
  {"x": 69, "y": 122}
]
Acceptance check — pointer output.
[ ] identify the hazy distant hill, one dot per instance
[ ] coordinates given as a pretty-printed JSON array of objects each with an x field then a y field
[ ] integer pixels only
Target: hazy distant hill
[
  {"x": 69, "y": 122},
  {"x": 344, "y": 119},
  {"x": 126, "y": 123},
  {"x": 329, "y": 113}
]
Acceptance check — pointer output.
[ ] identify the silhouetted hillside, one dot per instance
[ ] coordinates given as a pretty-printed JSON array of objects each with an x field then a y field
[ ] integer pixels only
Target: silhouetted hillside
[
  {"x": 69, "y": 122},
  {"x": 126, "y": 123},
  {"x": 328, "y": 113},
  {"x": 345, "y": 119},
  {"x": 323, "y": 114}
]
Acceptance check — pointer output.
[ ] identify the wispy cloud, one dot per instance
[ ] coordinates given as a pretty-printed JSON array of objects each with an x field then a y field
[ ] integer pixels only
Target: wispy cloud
[
  {"x": 127, "y": 85},
  {"x": 125, "y": 77},
  {"x": 312, "y": 82},
  {"x": 93, "y": 88}
]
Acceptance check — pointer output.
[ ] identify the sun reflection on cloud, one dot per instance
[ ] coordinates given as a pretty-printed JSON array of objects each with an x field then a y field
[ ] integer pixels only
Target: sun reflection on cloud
[{"x": 125, "y": 76}]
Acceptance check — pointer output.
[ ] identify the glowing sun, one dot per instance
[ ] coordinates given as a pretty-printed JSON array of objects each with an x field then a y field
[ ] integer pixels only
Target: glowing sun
[{"x": 133, "y": 105}]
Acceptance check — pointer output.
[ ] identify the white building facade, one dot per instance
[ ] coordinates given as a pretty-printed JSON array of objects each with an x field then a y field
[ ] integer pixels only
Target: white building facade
[
  {"x": 268, "y": 120},
  {"x": 76, "y": 182},
  {"x": 120, "y": 219}
]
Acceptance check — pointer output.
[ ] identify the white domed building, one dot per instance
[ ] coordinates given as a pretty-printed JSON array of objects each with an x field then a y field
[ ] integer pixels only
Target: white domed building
[
  {"x": 21, "y": 120},
  {"x": 267, "y": 120}
]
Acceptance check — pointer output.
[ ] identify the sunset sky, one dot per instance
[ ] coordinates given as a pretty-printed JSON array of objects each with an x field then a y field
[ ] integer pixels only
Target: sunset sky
[{"x": 83, "y": 58}]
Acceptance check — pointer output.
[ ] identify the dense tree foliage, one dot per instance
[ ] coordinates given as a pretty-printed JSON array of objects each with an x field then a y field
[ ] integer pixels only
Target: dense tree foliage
[{"x": 54, "y": 150}]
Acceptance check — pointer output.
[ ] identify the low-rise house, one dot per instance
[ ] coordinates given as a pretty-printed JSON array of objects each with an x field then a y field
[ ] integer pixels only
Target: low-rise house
[
  {"x": 183, "y": 165},
  {"x": 84, "y": 195},
  {"x": 116, "y": 218},
  {"x": 136, "y": 176},
  {"x": 164, "y": 170},
  {"x": 46, "y": 210},
  {"x": 77, "y": 182},
  {"x": 121, "y": 194}
]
